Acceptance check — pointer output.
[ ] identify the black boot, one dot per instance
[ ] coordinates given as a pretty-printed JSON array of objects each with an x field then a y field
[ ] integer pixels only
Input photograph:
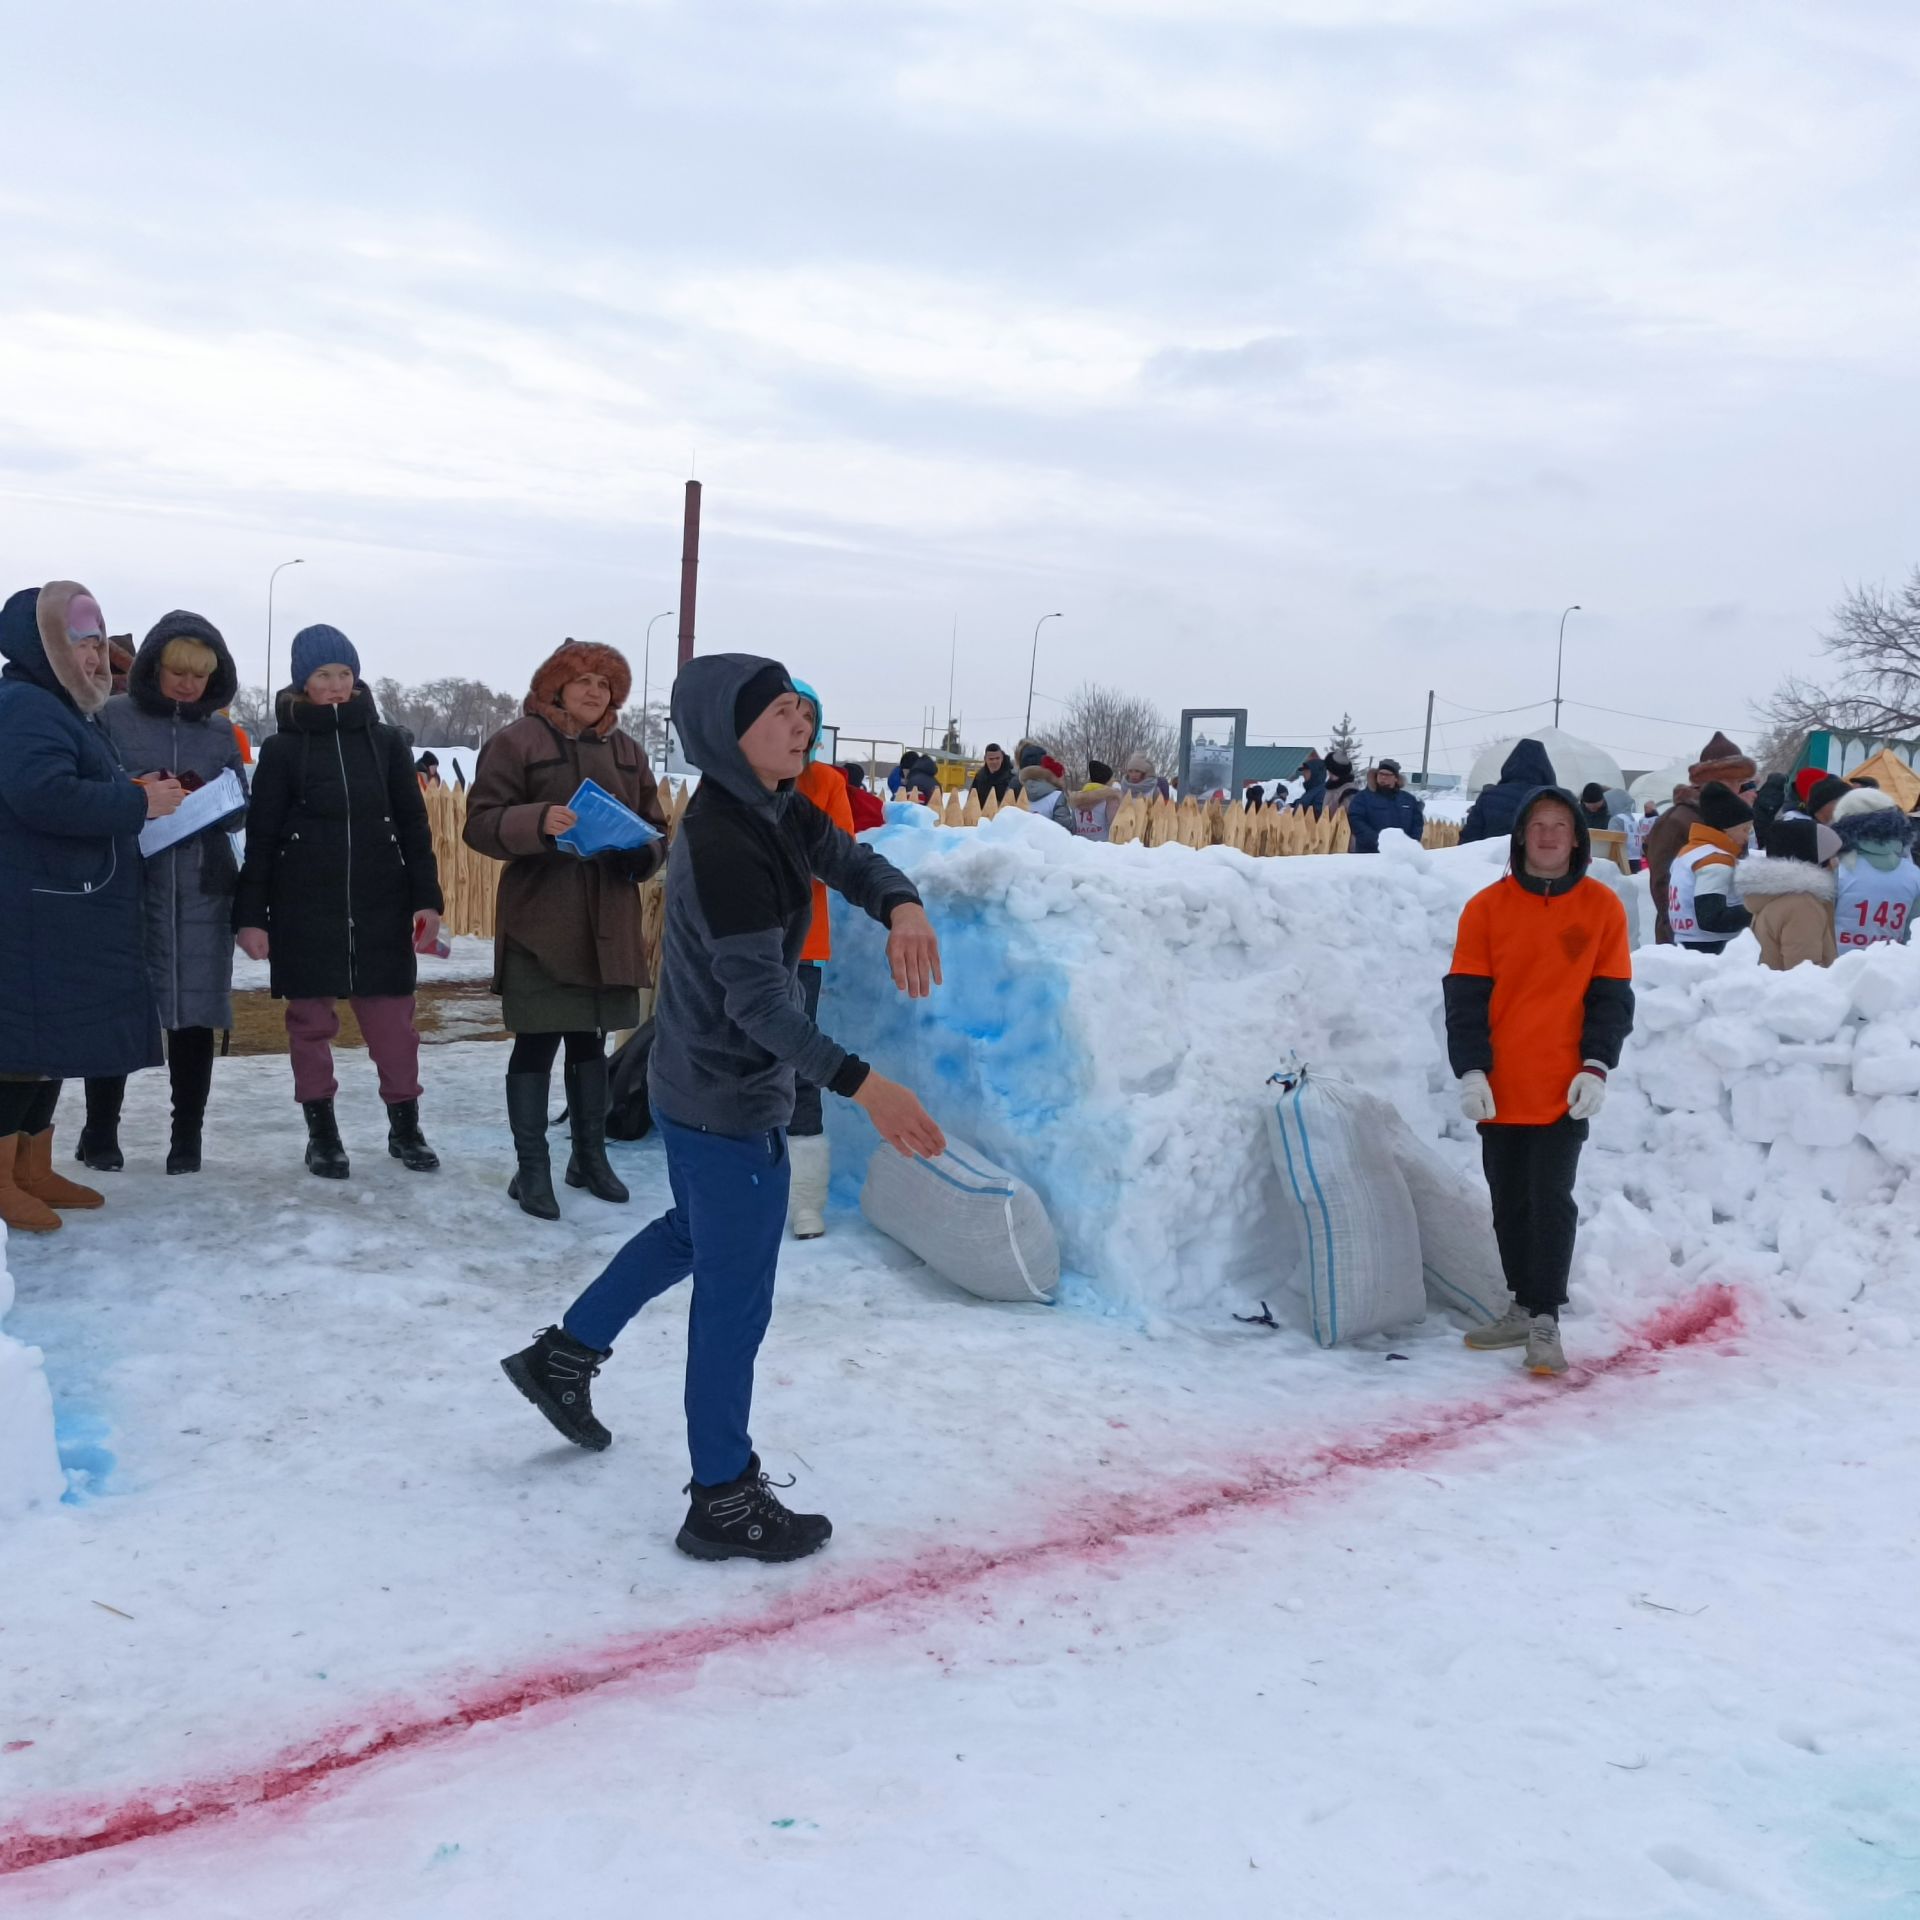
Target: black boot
[
  {"x": 99, "y": 1143},
  {"x": 532, "y": 1185},
  {"x": 406, "y": 1142},
  {"x": 556, "y": 1374},
  {"x": 325, "y": 1155},
  {"x": 587, "y": 1165},
  {"x": 190, "y": 1069},
  {"x": 745, "y": 1520}
]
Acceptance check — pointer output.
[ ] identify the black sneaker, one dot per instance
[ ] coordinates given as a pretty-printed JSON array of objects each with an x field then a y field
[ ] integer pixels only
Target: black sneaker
[
  {"x": 556, "y": 1374},
  {"x": 745, "y": 1520},
  {"x": 183, "y": 1153}
]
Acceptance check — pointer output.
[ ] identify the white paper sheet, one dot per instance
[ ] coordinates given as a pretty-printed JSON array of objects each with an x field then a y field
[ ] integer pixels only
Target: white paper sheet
[{"x": 198, "y": 810}]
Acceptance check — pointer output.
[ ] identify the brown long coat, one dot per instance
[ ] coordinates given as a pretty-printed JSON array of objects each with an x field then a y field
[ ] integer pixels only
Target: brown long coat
[{"x": 580, "y": 919}]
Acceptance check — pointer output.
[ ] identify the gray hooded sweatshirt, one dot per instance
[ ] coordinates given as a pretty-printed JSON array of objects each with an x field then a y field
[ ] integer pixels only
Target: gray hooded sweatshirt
[{"x": 731, "y": 1031}]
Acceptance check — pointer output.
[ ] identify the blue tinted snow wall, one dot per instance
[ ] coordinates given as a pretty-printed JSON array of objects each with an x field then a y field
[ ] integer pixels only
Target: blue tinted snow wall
[{"x": 1110, "y": 1016}]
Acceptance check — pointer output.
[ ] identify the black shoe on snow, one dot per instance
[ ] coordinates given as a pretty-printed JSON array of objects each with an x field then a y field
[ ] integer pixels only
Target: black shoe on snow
[
  {"x": 325, "y": 1155},
  {"x": 183, "y": 1155},
  {"x": 532, "y": 1182},
  {"x": 406, "y": 1142},
  {"x": 587, "y": 1165},
  {"x": 745, "y": 1520},
  {"x": 99, "y": 1148},
  {"x": 556, "y": 1374}
]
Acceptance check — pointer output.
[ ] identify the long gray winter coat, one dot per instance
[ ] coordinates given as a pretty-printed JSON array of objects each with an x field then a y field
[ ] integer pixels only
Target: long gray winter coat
[{"x": 189, "y": 890}]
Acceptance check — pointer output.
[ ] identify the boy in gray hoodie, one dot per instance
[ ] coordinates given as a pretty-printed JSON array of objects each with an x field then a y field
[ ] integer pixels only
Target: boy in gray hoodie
[{"x": 731, "y": 1032}]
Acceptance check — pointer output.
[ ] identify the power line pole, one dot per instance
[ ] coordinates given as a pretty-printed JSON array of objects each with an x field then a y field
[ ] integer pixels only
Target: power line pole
[{"x": 1426, "y": 745}]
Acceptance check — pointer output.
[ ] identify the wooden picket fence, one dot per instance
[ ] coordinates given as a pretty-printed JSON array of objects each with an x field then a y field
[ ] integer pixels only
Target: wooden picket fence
[
  {"x": 470, "y": 881},
  {"x": 1261, "y": 831}
]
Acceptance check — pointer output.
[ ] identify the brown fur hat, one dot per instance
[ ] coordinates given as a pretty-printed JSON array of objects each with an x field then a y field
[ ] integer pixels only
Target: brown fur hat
[
  {"x": 1721, "y": 760},
  {"x": 89, "y": 691},
  {"x": 569, "y": 661}
]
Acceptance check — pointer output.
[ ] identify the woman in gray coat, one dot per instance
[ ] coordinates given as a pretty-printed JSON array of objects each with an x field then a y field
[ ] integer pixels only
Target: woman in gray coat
[{"x": 169, "y": 720}]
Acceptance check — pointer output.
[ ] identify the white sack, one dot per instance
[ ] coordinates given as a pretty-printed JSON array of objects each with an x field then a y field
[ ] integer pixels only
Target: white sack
[
  {"x": 979, "y": 1225},
  {"x": 1459, "y": 1257},
  {"x": 1356, "y": 1217}
]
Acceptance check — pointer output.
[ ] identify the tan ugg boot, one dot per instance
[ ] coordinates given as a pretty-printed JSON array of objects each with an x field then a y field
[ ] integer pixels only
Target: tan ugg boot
[
  {"x": 33, "y": 1173},
  {"x": 21, "y": 1211}
]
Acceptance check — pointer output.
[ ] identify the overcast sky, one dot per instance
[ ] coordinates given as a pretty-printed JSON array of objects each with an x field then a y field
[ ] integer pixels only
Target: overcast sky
[{"x": 1304, "y": 354}]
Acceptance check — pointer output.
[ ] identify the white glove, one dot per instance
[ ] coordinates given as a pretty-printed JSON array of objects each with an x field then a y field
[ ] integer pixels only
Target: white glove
[
  {"x": 1588, "y": 1093},
  {"x": 1476, "y": 1096}
]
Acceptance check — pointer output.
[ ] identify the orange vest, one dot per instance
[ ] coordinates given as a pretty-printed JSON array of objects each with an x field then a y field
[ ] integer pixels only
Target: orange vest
[
  {"x": 826, "y": 787},
  {"x": 1541, "y": 953}
]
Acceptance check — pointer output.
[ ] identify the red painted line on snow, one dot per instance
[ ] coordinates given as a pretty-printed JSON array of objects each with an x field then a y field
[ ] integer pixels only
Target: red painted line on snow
[{"x": 72, "y": 1831}]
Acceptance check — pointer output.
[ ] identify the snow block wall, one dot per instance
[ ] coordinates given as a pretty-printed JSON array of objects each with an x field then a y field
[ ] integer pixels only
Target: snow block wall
[
  {"x": 29, "y": 1462},
  {"x": 1111, "y": 1014}
]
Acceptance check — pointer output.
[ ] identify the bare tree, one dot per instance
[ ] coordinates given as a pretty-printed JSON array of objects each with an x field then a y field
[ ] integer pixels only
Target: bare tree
[
  {"x": 648, "y": 725},
  {"x": 453, "y": 712},
  {"x": 253, "y": 710},
  {"x": 1102, "y": 723},
  {"x": 1345, "y": 742},
  {"x": 1874, "y": 639}
]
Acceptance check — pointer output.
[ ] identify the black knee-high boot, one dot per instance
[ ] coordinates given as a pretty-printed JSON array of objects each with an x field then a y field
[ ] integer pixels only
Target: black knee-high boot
[
  {"x": 588, "y": 1165},
  {"x": 190, "y": 1069},
  {"x": 99, "y": 1144}
]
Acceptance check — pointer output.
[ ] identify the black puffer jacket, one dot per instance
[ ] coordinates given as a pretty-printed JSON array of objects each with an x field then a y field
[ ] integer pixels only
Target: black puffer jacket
[
  {"x": 339, "y": 855},
  {"x": 1525, "y": 771}
]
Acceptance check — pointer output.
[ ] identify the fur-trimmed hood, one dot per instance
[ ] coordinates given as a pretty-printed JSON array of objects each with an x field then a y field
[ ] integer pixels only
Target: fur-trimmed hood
[
  {"x": 569, "y": 661},
  {"x": 1773, "y": 879},
  {"x": 143, "y": 680},
  {"x": 33, "y": 637}
]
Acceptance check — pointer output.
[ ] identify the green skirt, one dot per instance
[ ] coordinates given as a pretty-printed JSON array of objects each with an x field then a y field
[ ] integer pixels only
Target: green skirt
[{"x": 533, "y": 1001}]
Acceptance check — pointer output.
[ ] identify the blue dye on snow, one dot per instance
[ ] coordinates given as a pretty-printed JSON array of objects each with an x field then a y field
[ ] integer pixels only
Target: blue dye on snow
[{"x": 81, "y": 1436}]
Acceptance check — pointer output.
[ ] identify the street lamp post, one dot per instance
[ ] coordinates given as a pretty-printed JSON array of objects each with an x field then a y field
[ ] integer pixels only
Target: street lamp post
[
  {"x": 1034, "y": 667},
  {"x": 646, "y": 667},
  {"x": 1559, "y": 654},
  {"x": 271, "y": 578}
]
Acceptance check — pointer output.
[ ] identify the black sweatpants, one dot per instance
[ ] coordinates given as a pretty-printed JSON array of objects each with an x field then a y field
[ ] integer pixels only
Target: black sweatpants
[{"x": 1530, "y": 1175}]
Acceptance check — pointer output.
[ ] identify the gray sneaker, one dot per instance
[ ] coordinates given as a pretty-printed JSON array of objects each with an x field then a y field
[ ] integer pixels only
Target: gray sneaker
[
  {"x": 1512, "y": 1329},
  {"x": 1544, "y": 1352}
]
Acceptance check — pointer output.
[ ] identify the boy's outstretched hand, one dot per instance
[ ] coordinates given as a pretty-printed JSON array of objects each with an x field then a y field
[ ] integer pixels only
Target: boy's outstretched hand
[
  {"x": 913, "y": 953},
  {"x": 899, "y": 1118}
]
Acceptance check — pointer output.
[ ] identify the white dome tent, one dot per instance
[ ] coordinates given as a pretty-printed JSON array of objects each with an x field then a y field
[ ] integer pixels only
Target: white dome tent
[
  {"x": 1659, "y": 785},
  {"x": 1575, "y": 761}
]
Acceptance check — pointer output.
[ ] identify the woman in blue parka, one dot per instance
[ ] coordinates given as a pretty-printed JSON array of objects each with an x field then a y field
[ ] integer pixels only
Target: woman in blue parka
[{"x": 76, "y": 1000}]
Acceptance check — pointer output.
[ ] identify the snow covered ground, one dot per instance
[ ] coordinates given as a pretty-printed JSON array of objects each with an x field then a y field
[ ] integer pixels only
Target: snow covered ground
[
  {"x": 1130, "y": 1611},
  {"x": 471, "y": 959}
]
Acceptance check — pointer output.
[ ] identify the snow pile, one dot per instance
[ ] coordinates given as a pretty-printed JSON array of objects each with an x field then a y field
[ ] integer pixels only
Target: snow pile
[
  {"x": 1772, "y": 1116},
  {"x": 1111, "y": 1014},
  {"x": 29, "y": 1463}
]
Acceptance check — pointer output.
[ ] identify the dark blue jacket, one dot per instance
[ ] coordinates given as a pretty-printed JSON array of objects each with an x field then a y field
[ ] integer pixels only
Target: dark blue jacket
[
  {"x": 1314, "y": 794},
  {"x": 1370, "y": 813},
  {"x": 76, "y": 1002},
  {"x": 1526, "y": 771}
]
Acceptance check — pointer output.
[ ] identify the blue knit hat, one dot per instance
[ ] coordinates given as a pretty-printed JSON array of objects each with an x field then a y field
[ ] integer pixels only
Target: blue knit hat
[{"x": 317, "y": 647}]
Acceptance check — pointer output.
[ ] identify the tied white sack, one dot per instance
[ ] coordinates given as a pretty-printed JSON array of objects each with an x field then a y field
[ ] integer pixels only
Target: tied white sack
[
  {"x": 1353, "y": 1211},
  {"x": 1459, "y": 1257},
  {"x": 980, "y": 1226}
]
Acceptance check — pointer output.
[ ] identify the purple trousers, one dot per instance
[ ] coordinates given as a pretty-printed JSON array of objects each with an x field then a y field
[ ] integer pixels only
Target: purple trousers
[{"x": 387, "y": 1022}]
